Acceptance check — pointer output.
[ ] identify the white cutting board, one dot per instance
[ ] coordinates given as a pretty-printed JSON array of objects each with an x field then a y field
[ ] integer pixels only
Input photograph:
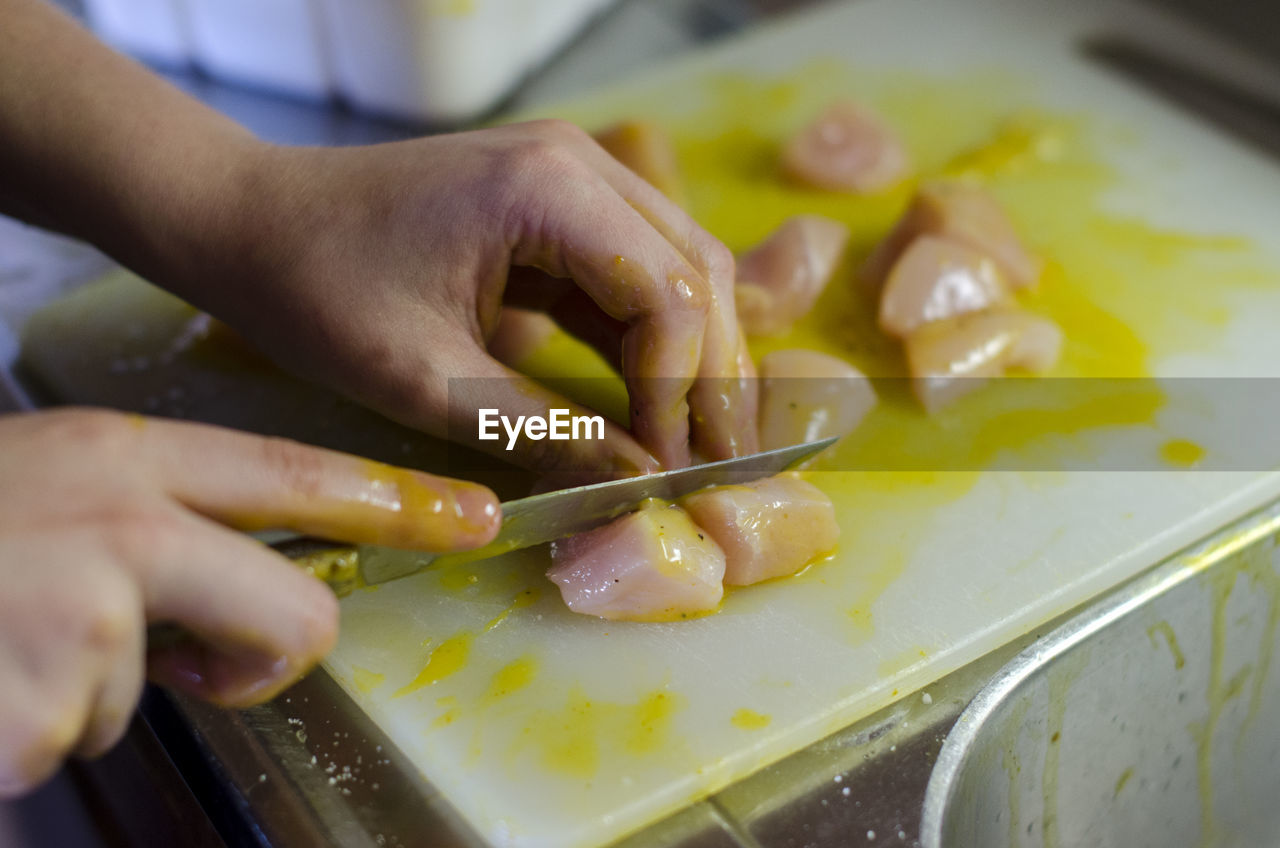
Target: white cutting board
[{"x": 548, "y": 729}]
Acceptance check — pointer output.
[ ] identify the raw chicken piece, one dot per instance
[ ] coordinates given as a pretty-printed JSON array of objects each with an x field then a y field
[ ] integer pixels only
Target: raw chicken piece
[
  {"x": 845, "y": 149},
  {"x": 963, "y": 213},
  {"x": 647, "y": 150},
  {"x": 766, "y": 528},
  {"x": 806, "y": 395},
  {"x": 935, "y": 279},
  {"x": 651, "y": 565},
  {"x": 949, "y": 358},
  {"x": 780, "y": 279}
]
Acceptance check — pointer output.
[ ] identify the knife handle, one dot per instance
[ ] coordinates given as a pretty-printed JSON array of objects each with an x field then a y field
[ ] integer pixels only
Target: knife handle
[{"x": 331, "y": 562}]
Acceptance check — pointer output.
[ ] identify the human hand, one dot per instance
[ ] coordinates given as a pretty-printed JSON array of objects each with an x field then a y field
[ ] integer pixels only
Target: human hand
[
  {"x": 110, "y": 522},
  {"x": 382, "y": 271}
]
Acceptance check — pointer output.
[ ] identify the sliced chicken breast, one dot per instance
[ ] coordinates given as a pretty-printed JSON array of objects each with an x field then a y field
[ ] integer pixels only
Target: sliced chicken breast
[
  {"x": 962, "y": 213},
  {"x": 937, "y": 278},
  {"x": 845, "y": 149},
  {"x": 950, "y": 358},
  {"x": 780, "y": 279},
  {"x": 806, "y": 395},
  {"x": 651, "y": 565},
  {"x": 767, "y": 528}
]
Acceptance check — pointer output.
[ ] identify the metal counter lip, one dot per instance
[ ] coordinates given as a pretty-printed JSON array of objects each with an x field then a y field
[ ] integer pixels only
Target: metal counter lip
[{"x": 1095, "y": 617}]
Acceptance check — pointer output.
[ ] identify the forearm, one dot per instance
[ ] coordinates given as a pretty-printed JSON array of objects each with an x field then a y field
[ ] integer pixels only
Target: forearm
[{"x": 95, "y": 146}]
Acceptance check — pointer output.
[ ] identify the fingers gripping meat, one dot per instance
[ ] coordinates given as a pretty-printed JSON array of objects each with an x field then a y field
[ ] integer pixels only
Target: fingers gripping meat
[{"x": 779, "y": 280}]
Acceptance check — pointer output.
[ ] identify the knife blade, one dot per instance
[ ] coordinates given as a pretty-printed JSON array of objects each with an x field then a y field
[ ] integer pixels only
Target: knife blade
[{"x": 543, "y": 518}]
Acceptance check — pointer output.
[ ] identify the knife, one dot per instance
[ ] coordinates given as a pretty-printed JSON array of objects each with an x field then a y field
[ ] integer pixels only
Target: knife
[{"x": 540, "y": 518}]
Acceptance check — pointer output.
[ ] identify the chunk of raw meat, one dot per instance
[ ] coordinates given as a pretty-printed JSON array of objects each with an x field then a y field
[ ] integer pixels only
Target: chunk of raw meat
[
  {"x": 767, "y": 528},
  {"x": 651, "y": 565},
  {"x": 779, "y": 280},
  {"x": 936, "y": 279},
  {"x": 950, "y": 358},
  {"x": 845, "y": 149},
  {"x": 647, "y": 150},
  {"x": 806, "y": 395},
  {"x": 962, "y": 213}
]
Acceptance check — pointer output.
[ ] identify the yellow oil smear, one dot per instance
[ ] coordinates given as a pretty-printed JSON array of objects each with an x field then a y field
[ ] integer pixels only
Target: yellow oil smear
[
  {"x": 419, "y": 499},
  {"x": 1013, "y": 767},
  {"x": 1122, "y": 781},
  {"x": 651, "y": 722},
  {"x": 501, "y": 580},
  {"x": 1018, "y": 144},
  {"x": 1060, "y": 679},
  {"x": 874, "y": 578},
  {"x": 1264, "y": 577},
  {"x": 1252, "y": 559},
  {"x": 572, "y": 741},
  {"x": 447, "y": 659},
  {"x": 1181, "y": 453},
  {"x": 750, "y": 719},
  {"x": 1221, "y": 582},
  {"x": 365, "y": 680},
  {"x": 451, "y": 712},
  {"x": 525, "y": 599},
  {"x": 895, "y": 665},
  {"x": 512, "y": 677},
  {"x": 1170, "y": 639},
  {"x": 457, "y": 579}
]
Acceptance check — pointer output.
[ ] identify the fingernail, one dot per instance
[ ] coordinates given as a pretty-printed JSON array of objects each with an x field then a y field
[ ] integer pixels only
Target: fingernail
[{"x": 479, "y": 513}]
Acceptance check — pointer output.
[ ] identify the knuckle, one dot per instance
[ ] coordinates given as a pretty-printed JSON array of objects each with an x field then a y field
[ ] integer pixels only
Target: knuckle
[
  {"x": 720, "y": 264},
  {"x": 109, "y": 727},
  {"x": 318, "y": 623},
  {"x": 112, "y": 624},
  {"x": 691, "y": 293},
  {"x": 38, "y": 744},
  {"x": 104, "y": 614},
  {"x": 300, "y": 468},
  {"x": 96, "y": 430},
  {"x": 559, "y": 129},
  {"x": 137, "y": 533}
]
